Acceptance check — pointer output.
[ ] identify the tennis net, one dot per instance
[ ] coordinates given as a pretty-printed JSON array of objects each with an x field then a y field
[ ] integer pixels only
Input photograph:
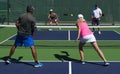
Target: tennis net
[{"x": 9, "y": 31}]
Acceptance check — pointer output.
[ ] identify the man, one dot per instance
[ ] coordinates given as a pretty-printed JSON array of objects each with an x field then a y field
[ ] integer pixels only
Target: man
[
  {"x": 96, "y": 15},
  {"x": 26, "y": 26}
]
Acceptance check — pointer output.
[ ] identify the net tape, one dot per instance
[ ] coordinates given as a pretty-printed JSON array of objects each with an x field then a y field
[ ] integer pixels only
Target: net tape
[{"x": 39, "y": 26}]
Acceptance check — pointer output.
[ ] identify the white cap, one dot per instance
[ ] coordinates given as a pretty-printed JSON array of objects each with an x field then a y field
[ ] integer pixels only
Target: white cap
[
  {"x": 80, "y": 16},
  {"x": 51, "y": 9}
]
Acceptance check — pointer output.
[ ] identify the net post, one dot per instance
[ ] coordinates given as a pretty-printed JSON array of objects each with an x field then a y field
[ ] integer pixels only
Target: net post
[{"x": 68, "y": 35}]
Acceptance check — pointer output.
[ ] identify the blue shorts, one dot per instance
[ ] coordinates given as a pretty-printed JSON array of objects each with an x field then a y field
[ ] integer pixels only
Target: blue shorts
[{"x": 26, "y": 40}]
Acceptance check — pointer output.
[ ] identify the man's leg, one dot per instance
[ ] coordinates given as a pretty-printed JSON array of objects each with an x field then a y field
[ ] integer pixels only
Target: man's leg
[
  {"x": 34, "y": 53},
  {"x": 12, "y": 51},
  {"x": 8, "y": 61},
  {"x": 98, "y": 24}
]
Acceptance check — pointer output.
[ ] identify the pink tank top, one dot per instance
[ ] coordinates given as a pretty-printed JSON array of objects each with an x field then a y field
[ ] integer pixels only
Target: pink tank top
[{"x": 84, "y": 29}]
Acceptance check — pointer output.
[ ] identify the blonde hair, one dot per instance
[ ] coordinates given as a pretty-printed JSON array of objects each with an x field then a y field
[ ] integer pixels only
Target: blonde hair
[{"x": 79, "y": 21}]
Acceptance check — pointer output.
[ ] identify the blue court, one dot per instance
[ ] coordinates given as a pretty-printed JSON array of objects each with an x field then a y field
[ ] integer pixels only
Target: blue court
[
  {"x": 60, "y": 68},
  {"x": 71, "y": 35}
]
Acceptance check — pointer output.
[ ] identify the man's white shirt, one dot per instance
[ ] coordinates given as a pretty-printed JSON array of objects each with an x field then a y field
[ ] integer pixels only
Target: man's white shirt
[{"x": 97, "y": 12}]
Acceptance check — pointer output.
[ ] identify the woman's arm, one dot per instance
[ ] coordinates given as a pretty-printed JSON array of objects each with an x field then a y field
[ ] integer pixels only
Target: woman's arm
[{"x": 78, "y": 30}]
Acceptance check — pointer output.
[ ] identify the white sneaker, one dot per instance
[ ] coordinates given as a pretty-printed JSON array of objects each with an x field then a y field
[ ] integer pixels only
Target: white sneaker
[
  {"x": 50, "y": 29},
  {"x": 59, "y": 28},
  {"x": 83, "y": 62},
  {"x": 99, "y": 32},
  {"x": 8, "y": 61},
  {"x": 106, "y": 64}
]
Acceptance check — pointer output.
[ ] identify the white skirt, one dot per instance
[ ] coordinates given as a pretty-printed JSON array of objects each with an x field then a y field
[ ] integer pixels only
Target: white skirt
[{"x": 88, "y": 38}]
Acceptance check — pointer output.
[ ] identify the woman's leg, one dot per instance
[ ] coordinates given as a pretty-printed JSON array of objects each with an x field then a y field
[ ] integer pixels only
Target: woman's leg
[
  {"x": 95, "y": 45},
  {"x": 81, "y": 50}
]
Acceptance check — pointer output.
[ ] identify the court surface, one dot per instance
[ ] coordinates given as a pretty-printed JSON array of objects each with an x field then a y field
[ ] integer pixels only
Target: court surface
[
  {"x": 71, "y": 35},
  {"x": 71, "y": 66},
  {"x": 60, "y": 68}
]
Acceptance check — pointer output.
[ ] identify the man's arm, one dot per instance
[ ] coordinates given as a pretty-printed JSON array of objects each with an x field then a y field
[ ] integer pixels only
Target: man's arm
[
  {"x": 17, "y": 24},
  {"x": 33, "y": 28},
  {"x": 49, "y": 17},
  {"x": 100, "y": 12}
]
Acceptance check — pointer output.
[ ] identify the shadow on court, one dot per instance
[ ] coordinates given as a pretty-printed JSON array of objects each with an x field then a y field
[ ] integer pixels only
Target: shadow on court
[
  {"x": 64, "y": 56},
  {"x": 89, "y": 67},
  {"x": 13, "y": 60}
]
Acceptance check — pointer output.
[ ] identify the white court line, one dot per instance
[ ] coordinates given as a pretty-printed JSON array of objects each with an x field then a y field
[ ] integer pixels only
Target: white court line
[
  {"x": 70, "y": 67},
  {"x": 59, "y": 61},
  {"x": 116, "y": 31},
  {"x": 7, "y": 39}
]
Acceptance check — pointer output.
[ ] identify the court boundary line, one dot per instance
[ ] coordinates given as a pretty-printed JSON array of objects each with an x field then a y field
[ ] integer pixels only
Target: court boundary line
[
  {"x": 7, "y": 39},
  {"x": 70, "y": 67},
  {"x": 116, "y": 32},
  {"x": 58, "y": 61}
]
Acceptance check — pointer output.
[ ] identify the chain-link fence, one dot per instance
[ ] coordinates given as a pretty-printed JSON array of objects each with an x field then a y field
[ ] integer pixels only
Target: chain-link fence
[{"x": 67, "y": 10}]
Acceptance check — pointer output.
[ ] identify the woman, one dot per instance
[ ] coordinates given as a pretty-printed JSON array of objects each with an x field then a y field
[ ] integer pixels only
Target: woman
[
  {"x": 86, "y": 35},
  {"x": 53, "y": 17}
]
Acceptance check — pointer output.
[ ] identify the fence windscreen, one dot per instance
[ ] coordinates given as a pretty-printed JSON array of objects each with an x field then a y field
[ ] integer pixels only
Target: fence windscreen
[{"x": 67, "y": 10}]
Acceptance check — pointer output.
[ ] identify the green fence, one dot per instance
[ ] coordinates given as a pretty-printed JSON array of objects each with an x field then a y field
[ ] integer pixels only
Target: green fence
[{"x": 67, "y": 10}]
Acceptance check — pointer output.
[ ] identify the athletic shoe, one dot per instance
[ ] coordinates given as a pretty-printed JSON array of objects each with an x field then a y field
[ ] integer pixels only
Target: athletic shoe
[
  {"x": 8, "y": 61},
  {"x": 59, "y": 28},
  {"x": 50, "y": 29},
  {"x": 99, "y": 32},
  {"x": 38, "y": 65},
  {"x": 106, "y": 64},
  {"x": 83, "y": 62}
]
